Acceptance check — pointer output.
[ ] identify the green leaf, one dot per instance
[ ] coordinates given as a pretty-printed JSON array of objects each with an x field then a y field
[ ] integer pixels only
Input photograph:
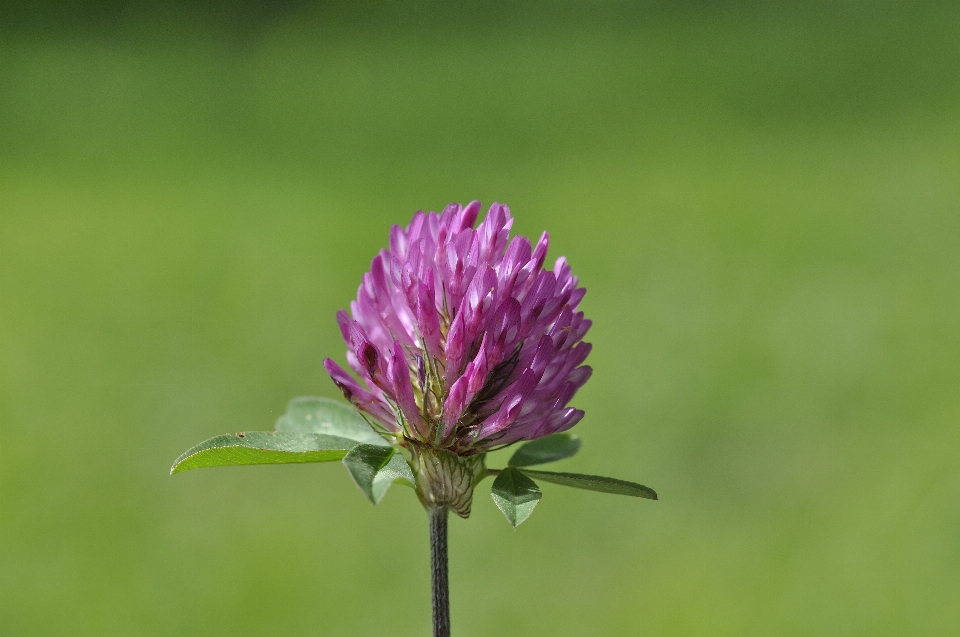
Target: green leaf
[
  {"x": 263, "y": 447},
  {"x": 594, "y": 483},
  {"x": 549, "y": 449},
  {"x": 330, "y": 417},
  {"x": 515, "y": 495},
  {"x": 374, "y": 468}
]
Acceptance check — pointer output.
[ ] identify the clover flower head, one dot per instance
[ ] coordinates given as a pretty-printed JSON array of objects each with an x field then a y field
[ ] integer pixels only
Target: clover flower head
[{"x": 462, "y": 340}]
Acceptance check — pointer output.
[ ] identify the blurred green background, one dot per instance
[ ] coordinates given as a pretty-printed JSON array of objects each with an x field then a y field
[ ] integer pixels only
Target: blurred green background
[{"x": 763, "y": 201}]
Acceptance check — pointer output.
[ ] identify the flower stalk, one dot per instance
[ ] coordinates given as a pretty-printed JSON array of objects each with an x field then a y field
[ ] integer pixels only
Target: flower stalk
[{"x": 438, "y": 571}]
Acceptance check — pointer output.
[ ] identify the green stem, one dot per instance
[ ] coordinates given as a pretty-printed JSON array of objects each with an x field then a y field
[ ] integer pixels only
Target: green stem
[
  {"x": 439, "y": 570},
  {"x": 490, "y": 472}
]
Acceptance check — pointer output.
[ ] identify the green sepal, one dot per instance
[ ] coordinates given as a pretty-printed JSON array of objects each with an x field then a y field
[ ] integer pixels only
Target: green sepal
[
  {"x": 594, "y": 483},
  {"x": 330, "y": 417},
  {"x": 374, "y": 468},
  {"x": 548, "y": 449},
  {"x": 263, "y": 447},
  {"x": 515, "y": 495}
]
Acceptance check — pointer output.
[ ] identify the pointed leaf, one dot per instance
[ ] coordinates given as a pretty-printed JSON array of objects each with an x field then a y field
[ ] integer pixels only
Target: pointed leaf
[
  {"x": 263, "y": 447},
  {"x": 549, "y": 449},
  {"x": 396, "y": 470},
  {"x": 594, "y": 483},
  {"x": 374, "y": 468},
  {"x": 515, "y": 495},
  {"x": 330, "y": 417}
]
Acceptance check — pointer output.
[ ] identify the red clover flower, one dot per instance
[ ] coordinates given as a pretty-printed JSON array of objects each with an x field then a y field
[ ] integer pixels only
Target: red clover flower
[{"x": 464, "y": 342}]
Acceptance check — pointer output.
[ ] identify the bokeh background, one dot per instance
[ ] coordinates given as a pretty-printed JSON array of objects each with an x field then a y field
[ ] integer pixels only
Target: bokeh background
[{"x": 763, "y": 200}]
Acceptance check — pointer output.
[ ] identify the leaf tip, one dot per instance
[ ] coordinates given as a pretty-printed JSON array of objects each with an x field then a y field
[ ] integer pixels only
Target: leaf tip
[{"x": 177, "y": 465}]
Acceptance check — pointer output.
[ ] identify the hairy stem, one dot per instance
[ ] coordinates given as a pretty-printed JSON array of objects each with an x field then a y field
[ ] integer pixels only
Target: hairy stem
[{"x": 438, "y": 571}]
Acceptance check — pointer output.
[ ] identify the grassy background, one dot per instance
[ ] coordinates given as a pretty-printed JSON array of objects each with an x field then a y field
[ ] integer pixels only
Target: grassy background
[{"x": 763, "y": 201}]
